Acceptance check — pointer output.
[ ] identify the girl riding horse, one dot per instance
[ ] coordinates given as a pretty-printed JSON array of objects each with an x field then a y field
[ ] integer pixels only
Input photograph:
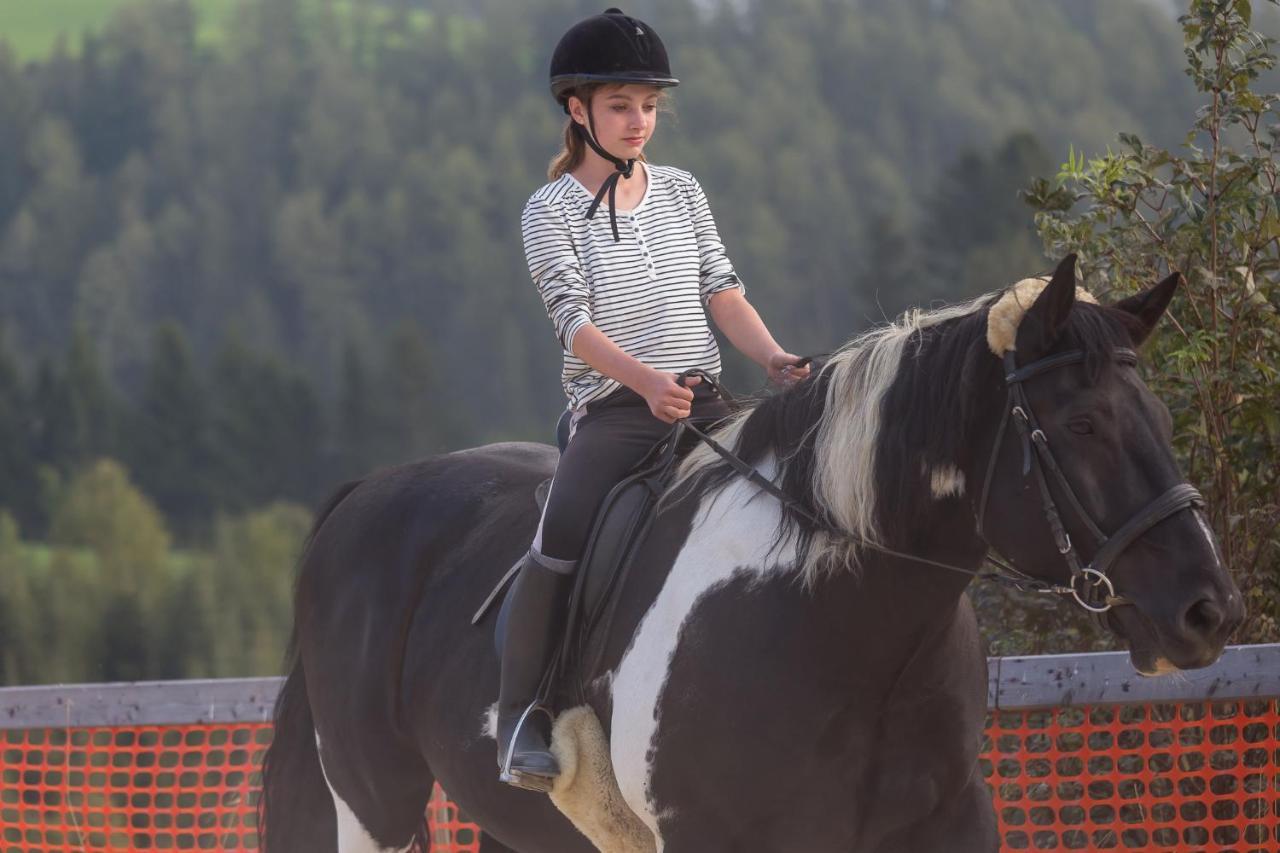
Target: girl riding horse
[{"x": 628, "y": 295}]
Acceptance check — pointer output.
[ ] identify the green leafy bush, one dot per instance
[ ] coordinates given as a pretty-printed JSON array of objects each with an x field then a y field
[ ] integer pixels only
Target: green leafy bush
[{"x": 1209, "y": 211}]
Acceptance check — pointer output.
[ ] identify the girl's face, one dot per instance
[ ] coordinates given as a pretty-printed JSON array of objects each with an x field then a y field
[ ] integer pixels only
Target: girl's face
[{"x": 625, "y": 117}]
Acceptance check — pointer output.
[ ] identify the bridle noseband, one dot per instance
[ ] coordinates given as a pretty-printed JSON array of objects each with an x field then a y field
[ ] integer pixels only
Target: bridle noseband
[{"x": 1090, "y": 585}]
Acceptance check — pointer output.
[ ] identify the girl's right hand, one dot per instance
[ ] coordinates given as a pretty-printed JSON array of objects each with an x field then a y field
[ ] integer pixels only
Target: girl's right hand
[{"x": 668, "y": 400}]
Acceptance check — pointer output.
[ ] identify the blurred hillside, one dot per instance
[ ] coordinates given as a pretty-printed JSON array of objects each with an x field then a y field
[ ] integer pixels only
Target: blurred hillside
[
  {"x": 303, "y": 238},
  {"x": 249, "y": 249},
  {"x": 329, "y": 170}
]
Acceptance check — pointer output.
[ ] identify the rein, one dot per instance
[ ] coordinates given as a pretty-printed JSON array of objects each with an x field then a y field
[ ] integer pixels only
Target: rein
[
  {"x": 1090, "y": 586},
  {"x": 1012, "y": 577},
  {"x": 1015, "y": 578}
]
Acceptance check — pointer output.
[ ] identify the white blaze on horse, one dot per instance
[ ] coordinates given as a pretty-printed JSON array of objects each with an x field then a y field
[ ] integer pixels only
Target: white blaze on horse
[{"x": 789, "y": 665}]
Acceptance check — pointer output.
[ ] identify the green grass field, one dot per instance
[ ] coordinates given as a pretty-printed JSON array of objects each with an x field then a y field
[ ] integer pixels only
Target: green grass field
[{"x": 31, "y": 27}]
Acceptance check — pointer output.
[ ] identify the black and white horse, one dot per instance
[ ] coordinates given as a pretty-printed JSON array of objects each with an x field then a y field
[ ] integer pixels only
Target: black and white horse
[{"x": 781, "y": 675}]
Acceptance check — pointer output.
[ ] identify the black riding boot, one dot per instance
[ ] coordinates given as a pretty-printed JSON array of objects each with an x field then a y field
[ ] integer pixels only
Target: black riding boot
[{"x": 534, "y": 621}]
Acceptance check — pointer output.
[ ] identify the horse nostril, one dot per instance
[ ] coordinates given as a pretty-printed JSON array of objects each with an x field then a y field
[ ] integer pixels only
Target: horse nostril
[{"x": 1204, "y": 617}]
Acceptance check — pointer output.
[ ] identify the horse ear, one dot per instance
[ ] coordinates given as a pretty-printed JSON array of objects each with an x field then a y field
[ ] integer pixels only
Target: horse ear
[
  {"x": 1149, "y": 306},
  {"x": 1047, "y": 316}
]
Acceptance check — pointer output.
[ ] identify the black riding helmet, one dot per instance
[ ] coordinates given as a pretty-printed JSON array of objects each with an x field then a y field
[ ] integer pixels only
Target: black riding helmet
[{"x": 608, "y": 48}]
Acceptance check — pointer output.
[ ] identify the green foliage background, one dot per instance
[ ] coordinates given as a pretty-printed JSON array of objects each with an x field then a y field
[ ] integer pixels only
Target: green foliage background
[
  {"x": 250, "y": 254},
  {"x": 1209, "y": 210}
]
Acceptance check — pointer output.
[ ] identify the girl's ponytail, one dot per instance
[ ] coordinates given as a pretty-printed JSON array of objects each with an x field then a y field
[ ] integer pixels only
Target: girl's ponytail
[{"x": 571, "y": 154}]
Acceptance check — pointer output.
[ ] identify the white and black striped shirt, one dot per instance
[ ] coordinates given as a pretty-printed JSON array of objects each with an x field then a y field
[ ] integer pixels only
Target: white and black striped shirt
[{"x": 647, "y": 293}]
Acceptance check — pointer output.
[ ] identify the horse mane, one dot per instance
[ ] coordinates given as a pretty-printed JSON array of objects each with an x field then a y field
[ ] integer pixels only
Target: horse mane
[{"x": 876, "y": 435}]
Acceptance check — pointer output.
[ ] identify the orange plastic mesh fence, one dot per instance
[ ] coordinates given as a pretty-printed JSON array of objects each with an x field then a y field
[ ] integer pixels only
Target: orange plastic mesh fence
[
  {"x": 191, "y": 787},
  {"x": 1186, "y": 776},
  {"x": 145, "y": 788}
]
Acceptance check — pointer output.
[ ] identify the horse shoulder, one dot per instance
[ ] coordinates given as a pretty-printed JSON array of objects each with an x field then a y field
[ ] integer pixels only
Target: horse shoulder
[
  {"x": 701, "y": 545},
  {"x": 926, "y": 752}
]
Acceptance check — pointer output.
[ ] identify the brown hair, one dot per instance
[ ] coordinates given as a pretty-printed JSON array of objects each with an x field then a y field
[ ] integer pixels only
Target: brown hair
[{"x": 574, "y": 149}]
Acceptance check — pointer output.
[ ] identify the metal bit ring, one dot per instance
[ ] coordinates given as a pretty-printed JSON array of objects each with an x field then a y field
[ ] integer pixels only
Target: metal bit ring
[{"x": 1102, "y": 580}]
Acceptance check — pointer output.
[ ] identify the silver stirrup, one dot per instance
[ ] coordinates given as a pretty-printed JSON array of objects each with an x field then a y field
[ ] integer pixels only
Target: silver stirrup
[{"x": 518, "y": 779}]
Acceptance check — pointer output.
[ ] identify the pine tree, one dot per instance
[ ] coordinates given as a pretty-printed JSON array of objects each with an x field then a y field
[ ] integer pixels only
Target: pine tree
[
  {"x": 18, "y": 481},
  {"x": 359, "y": 424},
  {"x": 170, "y": 442},
  {"x": 979, "y": 234},
  {"x": 267, "y": 431},
  {"x": 18, "y": 637},
  {"x": 422, "y": 412},
  {"x": 53, "y": 419},
  {"x": 94, "y": 408}
]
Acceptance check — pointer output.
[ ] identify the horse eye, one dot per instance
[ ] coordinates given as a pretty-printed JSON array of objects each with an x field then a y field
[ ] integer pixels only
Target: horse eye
[{"x": 1081, "y": 426}]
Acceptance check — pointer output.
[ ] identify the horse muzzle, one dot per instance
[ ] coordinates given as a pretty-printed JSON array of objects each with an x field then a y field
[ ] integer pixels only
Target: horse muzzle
[{"x": 1169, "y": 636}]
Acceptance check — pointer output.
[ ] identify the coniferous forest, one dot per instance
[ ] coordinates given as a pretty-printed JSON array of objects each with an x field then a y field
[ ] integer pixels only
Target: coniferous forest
[{"x": 238, "y": 270}]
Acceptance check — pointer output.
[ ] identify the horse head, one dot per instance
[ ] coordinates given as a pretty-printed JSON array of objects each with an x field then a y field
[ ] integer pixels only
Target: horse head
[{"x": 1081, "y": 487}]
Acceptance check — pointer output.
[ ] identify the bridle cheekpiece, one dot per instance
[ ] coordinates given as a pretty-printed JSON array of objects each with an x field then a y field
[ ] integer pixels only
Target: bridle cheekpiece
[{"x": 1090, "y": 584}]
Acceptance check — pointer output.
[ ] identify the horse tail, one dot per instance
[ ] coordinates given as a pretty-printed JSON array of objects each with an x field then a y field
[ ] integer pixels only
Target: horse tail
[{"x": 295, "y": 811}]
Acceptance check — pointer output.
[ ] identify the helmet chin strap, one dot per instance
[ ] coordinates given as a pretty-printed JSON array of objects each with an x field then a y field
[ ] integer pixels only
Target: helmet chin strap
[{"x": 610, "y": 186}]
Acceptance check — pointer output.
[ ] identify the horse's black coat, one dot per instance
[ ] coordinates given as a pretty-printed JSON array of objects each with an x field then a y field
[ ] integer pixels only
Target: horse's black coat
[{"x": 840, "y": 715}]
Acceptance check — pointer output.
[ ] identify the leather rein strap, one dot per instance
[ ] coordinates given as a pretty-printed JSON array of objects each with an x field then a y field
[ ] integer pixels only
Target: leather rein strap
[
  {"x": 1089, "y": 584},
  {"x": 1010, "y": 577}
]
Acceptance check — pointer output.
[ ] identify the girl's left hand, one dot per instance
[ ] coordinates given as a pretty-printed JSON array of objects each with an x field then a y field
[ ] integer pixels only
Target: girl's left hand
[{"x": 783, "y": 370}]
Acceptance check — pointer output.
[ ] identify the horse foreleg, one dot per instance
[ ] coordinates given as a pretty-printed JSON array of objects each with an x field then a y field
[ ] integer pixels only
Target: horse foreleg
[{"x": 387, "y": 813}]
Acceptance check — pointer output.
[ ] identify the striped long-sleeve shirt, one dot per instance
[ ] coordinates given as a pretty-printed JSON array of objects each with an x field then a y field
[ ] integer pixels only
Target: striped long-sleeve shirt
[{"x": 647, "y": 292}]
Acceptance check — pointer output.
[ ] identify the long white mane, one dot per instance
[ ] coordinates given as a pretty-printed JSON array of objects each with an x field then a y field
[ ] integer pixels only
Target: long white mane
[{"x": 847, "y": 435}]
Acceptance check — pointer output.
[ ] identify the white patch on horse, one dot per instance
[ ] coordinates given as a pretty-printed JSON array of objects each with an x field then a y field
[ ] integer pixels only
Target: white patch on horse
[
  {"x": 1209, "y": 537},
  {"x": 352, "y": 836},
  {"x": 946, "y": 481},
  {"x": 732, "y": 533},
  {"x": 489, "y": 722}
]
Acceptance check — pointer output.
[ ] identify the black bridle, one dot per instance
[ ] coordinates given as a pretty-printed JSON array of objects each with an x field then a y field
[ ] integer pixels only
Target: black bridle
[{"x": 1089, "y": 584}]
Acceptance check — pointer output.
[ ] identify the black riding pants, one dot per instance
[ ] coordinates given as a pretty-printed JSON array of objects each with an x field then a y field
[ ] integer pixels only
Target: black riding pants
[{"x": 609, "y": 439}]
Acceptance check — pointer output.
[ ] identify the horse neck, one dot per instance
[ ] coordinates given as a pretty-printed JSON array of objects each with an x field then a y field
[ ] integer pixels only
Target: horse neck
[
  {"x": 925, "y": 594},
  {"x": 903, "y": 623},
  {"x": 916, "y": 605}
]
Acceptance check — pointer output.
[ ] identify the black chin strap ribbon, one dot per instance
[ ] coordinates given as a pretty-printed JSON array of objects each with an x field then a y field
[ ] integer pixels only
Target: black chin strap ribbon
[{"x": 610, "y": 185}]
